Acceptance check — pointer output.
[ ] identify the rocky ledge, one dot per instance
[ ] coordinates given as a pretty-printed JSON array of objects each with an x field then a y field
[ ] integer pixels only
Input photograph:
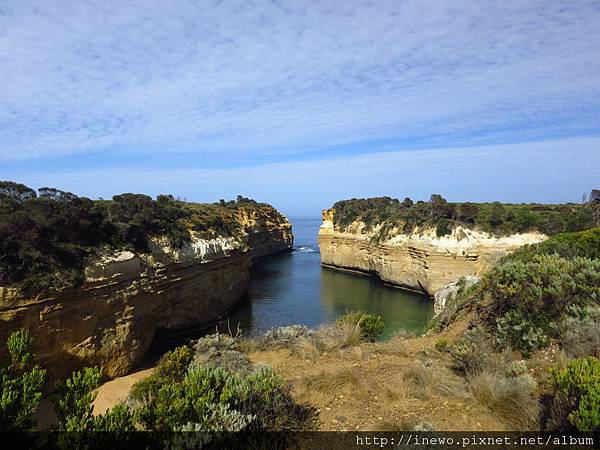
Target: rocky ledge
[
  {"x": 419, "y": 261},
  {"x": 111, "y": 320}
]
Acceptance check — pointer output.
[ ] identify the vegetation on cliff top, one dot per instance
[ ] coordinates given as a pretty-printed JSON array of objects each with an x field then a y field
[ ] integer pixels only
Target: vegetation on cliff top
[
  {"x": 46, "y": 236},
  {"x": 496, "y": 218},
  {"x": 540, "y": 293}
]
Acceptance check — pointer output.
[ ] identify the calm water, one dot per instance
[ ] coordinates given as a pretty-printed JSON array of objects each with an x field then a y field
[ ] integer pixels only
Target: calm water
[{"x": 293, "y": 288}]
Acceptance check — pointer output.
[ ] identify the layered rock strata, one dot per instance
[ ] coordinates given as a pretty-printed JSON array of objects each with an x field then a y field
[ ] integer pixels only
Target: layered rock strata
[
  {"x": 127, "y": 297},
  {"x": 419, "y": 261}
]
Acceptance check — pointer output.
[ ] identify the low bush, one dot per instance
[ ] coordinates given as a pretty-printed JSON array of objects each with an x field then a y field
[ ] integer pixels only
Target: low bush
[
  {"x": 21, "y": 384},
  {"x": 511, "y": 398},
  {"x": 577, "y": 395},
  {"x": 214, "y": 399},
  {"x": 470, "y": 353},
  {"x": 579, "y": 333},
  {"x": 73, "y": 404},
  {"x": 441, "y": 344},
  {"x": 205, "y": 391},
  {"x": 525, "y": 299},
  {"x": 371, "y": 325}
]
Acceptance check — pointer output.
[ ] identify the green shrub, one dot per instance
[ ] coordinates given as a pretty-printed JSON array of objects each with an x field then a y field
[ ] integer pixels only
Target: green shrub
[
  {"x": 73, "y": 404},
  {"x": 441, "y": 344},
  {"x": 470, "y": 353},
  {"x": 585, "y": 244},
  {"x": 214, "y": 399},
  {"x": 371, "y": 325},
  {"x": 173, "y": 364},
  {"x": 525, "y": 298},
  {"x": 184, "y": 396},
  {"x": 577, "y": 391},
  {"x": 20, "y": 385}
]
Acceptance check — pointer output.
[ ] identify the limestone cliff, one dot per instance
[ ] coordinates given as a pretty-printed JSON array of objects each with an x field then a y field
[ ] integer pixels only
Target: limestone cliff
[
  {"x": 127, "y": 297},
  {"x": 421, "y": 260}
]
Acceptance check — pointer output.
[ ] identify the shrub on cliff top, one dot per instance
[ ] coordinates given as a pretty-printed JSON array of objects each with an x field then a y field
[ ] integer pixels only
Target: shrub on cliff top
[
  {"x": 371, "y": 325},
  {"x": 209, "y": 398},
  {"x": 437, "y": 213},
  {"x": 585, "y": 244},
  {"x": 20, "y": 385},
  {"x": 577, "y": 395},
  {"x": 47, "y": 236}
]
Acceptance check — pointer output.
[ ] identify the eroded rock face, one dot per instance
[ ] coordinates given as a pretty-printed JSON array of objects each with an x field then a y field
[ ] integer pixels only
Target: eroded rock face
[
  {"x": 445, "y": 294},
  {"x": 111, "y": 320},
  {"x": 420, "y": 261}
]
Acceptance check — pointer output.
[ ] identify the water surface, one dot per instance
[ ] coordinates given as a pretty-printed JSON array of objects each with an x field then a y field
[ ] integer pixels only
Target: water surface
[{"x": 293, "y": 288}]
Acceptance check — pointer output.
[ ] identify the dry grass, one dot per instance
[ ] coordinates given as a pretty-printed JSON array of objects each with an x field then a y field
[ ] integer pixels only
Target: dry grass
[
  {"x": 306, "y": 347},
  {"x": 400, "y": 391},
  {"x": 332, "y": 381},
  {"x": 510, "y": 400},
  {"x": 339, "y": 336},
  {"x": 418, "y": 382},
  {"x": 396, "y": 345},
  {"x": 326, "y": 339},
  {"x": 542, "y": 360}
]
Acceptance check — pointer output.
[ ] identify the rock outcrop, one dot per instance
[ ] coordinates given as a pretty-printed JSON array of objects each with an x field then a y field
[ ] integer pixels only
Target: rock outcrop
[
  {"x": 419, "y": 261},
  {"x": 447, "y": 293},
  {"x": 127, "y": 297}
]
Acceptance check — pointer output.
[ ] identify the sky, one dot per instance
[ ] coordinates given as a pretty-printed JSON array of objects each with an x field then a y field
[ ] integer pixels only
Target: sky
[{"x": 302, "y": 103}]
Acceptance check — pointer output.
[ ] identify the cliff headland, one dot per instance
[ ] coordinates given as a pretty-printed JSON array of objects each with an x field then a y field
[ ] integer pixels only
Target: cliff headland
[
  {"x": 424, "y": 246},
  {"x": 93, "y": 281}
]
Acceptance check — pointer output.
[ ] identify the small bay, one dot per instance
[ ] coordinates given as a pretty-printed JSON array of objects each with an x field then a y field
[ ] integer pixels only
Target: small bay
[{"x": 294, "y": 288}]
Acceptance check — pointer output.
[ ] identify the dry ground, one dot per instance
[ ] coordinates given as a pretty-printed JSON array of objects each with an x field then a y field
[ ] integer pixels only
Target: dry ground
[{"x": 391, "y": 385}]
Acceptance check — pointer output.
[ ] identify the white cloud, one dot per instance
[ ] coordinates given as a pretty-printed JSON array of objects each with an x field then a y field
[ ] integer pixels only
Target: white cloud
[{"x": 203, "y": 77}]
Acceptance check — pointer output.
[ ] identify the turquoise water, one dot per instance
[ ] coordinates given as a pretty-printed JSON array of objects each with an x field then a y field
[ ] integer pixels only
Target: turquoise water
[{"x": 293, "y": 288}]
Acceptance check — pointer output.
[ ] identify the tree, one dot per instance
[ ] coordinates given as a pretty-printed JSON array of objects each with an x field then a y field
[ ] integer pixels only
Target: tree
[
  {"x": 407, "y": 202},
  {"x": 20, "y": 385},
  {"x": 466, "y": 212},
  {"x": 497, "y": 214},
  {"x": 439, "y": 207},
  {"x": 15, "y": 191}
]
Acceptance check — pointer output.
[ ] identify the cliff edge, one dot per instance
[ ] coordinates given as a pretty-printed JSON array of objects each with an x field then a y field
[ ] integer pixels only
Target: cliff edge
[
  {"x": 419, "y": 260},
  {"x": 425, "y": 245},
  {"x": 126, "y": 294}
]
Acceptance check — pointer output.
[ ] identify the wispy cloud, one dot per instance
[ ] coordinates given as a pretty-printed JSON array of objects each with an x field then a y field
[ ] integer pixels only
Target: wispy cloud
[{"x": 271, "y": 77}]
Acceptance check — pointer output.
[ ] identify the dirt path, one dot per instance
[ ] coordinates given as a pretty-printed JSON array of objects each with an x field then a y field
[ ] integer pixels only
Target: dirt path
[{"x": 116, "y": 391}]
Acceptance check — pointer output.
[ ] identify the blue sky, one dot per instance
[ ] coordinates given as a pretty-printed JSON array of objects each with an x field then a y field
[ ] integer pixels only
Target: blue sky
[{"x": 300, "y": 103}]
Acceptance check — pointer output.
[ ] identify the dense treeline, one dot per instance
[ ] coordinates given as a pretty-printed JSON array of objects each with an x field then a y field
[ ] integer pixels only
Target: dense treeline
[
  {"x": 45, "y": 236},
  {"x": 497, "y": 218}
]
